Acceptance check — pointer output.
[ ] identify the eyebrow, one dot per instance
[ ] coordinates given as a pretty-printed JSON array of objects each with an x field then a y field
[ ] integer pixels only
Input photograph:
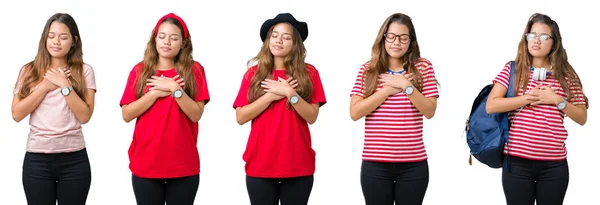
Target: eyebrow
[
  {"x": 283, "y": 32},
  {"x": 166, "y": 33},
  {"x": 399, "y": 34},
  {"x": 540, "y": 33},
  {"x": 60, "y": 33}
]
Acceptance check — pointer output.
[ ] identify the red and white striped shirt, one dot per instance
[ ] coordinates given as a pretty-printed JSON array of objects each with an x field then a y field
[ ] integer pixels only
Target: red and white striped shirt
[
  {"x": 537, "y": 131},
  {"x": 394, "y": 131}
]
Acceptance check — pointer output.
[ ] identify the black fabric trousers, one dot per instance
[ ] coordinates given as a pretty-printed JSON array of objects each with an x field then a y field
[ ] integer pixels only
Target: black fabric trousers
[
  {"x": 384, "y": 183},
  {"x": 172, "y": 191},
  {"x": 528, "y": 181},
  {"x": 62, "y": 177},
  {"x": 269, "y": 191}
]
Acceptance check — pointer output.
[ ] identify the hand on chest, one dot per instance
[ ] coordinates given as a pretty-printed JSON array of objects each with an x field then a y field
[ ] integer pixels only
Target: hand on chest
[
  {"x": 549, "y": 82},
  {"x": 166, "y": 80}
]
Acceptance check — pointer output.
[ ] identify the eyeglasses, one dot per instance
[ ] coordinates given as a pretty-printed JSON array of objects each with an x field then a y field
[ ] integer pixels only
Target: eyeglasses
[
  {"x": 533, "y": 36},
  {"x": 391, "y": 37}
]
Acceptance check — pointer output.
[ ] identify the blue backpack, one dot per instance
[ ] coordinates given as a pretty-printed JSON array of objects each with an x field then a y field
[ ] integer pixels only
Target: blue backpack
[{"x": 487, "y": 133}]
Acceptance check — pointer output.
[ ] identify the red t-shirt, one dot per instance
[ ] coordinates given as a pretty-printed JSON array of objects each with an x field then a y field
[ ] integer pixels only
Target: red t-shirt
[
  {"x": 537, "y": 132},
  {"x": 279, "y": 145},
  {"x": 164, "y": 138}
]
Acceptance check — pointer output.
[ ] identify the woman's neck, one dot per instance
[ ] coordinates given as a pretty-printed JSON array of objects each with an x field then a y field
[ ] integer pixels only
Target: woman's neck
[
  {"x": 395, "y": 64},
  {"x": 279, "y": 63},
  {"x": 540, "y": 62},
  {"x": 165, "y": 64},
  {"x": 58, "y": 63}
]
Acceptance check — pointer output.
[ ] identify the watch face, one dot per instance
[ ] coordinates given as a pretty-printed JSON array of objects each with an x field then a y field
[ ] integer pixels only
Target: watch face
[
  {"x": 562, "y": 105},
  {"x": 65, "y": 91},
  {"x": 294, "y": 99},
  {"x": 178, "y": 93},
  {"x": 408, "y": 90}
]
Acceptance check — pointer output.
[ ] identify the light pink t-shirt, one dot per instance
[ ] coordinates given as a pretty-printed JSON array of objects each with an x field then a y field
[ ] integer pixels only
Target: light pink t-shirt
[{"x": 54, "y": 127}]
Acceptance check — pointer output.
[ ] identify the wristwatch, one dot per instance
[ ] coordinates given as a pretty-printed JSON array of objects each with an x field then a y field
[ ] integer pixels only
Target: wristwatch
[
  {"x": 409, "y": 90},
  {"x": 178, "y": 93},
  {"x": 561, "y": 105},
  {"x": 66, "y": 90},
  {"x": 294, "y": 99}
]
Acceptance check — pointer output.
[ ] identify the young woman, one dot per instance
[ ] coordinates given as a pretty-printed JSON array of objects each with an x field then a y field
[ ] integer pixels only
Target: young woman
[
  {"x": 281, "y": 95},
  {"x": 166, "y": 93},
  {"x": 394, "y": 90},
  {"x": 548, "y": 90},
  {"x": 57, "y": 91}
]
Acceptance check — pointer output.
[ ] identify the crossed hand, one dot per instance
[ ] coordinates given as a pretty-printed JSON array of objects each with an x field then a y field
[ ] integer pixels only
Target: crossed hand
[
  {"x": 163, "y": 86},
  {"x": 543, "y": 94},
  {"x": 55, "y": 78},
  {"x": 393, "y": 84},
  {"x": 280, "y": 88}
]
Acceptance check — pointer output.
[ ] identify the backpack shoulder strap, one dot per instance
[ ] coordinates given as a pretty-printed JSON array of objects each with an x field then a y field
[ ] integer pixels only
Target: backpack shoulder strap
[
  {"x": 511, "y": 80},
  {"x": 505, "y": 124}
]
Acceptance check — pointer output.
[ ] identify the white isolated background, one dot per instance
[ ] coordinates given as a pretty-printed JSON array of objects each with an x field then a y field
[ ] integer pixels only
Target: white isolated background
[{"x": 468, "y": 43}]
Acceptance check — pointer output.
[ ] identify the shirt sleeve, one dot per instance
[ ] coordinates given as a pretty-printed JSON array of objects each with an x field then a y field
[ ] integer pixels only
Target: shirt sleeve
[
  {"x": 202, "y": 93},
  {"x": 242, "y": 96},
  {"x": 502, "y": 77},
  {"x": 318, "y": 93},
  {"x": 359, "y": 84},
  {"x": 129, "y": 94},
  {"x": 90, "y": 76},
  {"x": 20, "y": 80},
  {"x": 430, "y": 88}
]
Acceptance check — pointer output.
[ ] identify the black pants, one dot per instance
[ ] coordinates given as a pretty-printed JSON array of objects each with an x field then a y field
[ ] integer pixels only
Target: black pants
[
  {"x": 527, "y": 181},
  {"x": 174, "y": 191},
  {"x": 65, "y": 177},
  {"x": 268, "y": 191},
  {"x": 383, "y": 183}
]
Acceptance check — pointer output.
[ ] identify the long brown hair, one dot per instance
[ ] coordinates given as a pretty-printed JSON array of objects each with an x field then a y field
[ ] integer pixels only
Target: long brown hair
[
  {"x": 561, "y": 68},
  {"x": 33, "y": 72},
  {"x": 294, "y": 66},
  {"x": 184, "y": 62},
  {"x": 379, "y": 62}
]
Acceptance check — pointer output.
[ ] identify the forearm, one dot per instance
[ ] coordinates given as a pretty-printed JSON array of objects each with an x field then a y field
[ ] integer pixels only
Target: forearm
[
  {"x": 138, "y": 107},
  {"x": 191, "y": 108},
  {"x": 577, "y": 113},
  {"x": 425, "y": 105},
  {"x": 307, "y": 111},
  {"x": 252, "y": 110},
  {"x": 27, "y": 105},
  {"x": 363, "y": 106},
  {"x": 82, "y": 110},
  {"x": 502, "y": 104}
]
